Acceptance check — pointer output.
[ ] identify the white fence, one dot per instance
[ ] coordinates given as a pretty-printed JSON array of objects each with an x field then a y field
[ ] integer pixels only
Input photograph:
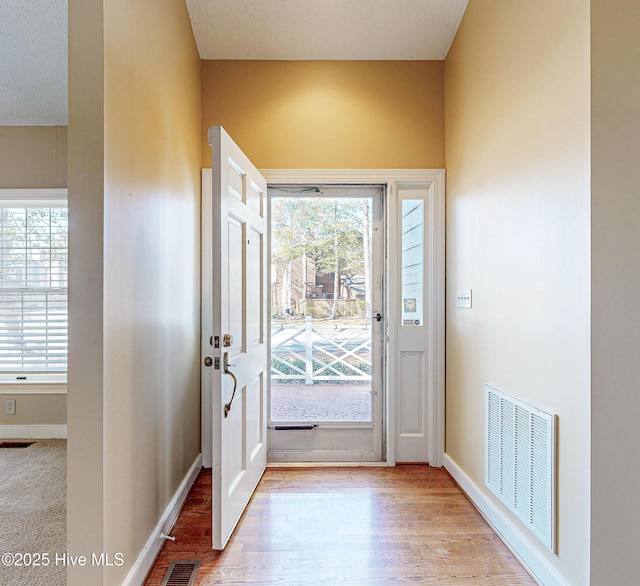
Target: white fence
[{"x": 327, "y": 353}]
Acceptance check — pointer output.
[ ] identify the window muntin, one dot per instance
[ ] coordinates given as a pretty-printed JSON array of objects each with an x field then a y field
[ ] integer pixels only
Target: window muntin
[{"x": 33, "y": 284}]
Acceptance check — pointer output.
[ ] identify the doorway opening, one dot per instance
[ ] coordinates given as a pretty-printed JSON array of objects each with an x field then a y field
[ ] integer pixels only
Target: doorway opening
[{"x": 326, "y": 323}]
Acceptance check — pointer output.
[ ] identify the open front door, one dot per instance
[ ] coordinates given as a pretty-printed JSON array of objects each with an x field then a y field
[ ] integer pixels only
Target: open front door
[{"x": 234, "y": 330}]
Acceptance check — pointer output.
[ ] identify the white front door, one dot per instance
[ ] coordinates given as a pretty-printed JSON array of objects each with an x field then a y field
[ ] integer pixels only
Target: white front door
[{"x": 234, "y": 331}]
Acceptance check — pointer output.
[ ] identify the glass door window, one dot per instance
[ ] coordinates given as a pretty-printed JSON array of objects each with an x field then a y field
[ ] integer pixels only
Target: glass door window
[{"x": 325, "y": 295}]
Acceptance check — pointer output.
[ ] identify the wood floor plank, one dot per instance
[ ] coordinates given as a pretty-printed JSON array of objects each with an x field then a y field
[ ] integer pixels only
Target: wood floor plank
[{"x": 348, "y": 526}]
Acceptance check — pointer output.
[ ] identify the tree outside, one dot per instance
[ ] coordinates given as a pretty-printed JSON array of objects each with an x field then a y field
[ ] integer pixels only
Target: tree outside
[{"x": 321, "y": 258}]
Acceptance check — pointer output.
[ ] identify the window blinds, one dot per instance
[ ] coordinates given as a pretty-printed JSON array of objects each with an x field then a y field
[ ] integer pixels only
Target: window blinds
[{"x": 33, "y": 284}]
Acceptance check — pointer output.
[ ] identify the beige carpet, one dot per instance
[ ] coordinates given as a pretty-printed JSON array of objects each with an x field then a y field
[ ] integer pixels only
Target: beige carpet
[{"x": 33, "y": 512}]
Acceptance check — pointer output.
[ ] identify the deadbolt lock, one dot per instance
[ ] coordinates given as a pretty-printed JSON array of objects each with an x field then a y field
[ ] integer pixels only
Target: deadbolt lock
[
  {"x": 215, "y": 362},
  {"x": 227, "y": 340}
]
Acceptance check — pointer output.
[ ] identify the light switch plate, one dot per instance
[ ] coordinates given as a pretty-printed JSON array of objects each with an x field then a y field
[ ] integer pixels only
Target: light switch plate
[{"x": 463, "y": 298}]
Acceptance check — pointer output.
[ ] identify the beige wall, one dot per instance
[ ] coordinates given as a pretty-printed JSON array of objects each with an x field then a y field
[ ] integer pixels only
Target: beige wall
[
  {"x": 615, "y": 269},
  {"x": 517, "y": 159},
  {"x": 34, "y": 409},
  {"x": 152, "y": 269},
  {"x": 33, "y": 156},
  {"x": 328, "y": 115},
  {"x": 142, "y": 410}
]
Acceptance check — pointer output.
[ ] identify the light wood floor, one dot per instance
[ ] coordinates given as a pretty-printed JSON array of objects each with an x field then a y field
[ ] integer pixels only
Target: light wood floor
[{"x": 358, "y": 526}]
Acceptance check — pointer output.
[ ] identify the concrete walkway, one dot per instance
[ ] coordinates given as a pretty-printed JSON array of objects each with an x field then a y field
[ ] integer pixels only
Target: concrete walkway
[{"x": 330, "y": 402}]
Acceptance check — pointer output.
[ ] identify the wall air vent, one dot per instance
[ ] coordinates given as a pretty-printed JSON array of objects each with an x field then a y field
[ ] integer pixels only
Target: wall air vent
[{"x": 520, "y": 461}]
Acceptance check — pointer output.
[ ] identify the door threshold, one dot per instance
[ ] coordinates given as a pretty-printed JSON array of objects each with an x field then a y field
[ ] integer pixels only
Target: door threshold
[{"x": 327, "y": 464}]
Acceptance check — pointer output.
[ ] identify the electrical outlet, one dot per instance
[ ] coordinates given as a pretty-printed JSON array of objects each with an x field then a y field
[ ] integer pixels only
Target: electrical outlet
[{"x": 10, "y": 407}]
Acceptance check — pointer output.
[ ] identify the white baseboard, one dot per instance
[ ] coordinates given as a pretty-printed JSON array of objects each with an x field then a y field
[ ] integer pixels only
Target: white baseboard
[
  {"x": 535, "y": 564},
  {"x": 33, "y": 432},
  {"x": 150, "y": 551}
]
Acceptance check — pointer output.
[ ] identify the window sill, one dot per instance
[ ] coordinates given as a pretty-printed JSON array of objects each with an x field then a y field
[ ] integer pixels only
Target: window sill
[{"x": 33, "y": 384}]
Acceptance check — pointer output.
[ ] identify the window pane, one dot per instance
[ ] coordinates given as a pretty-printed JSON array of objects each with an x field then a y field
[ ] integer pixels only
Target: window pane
[
  {"x": 321, "y": 340},
  {"x": 412, "y": 262},
  {"x": 33, "y": 288}
]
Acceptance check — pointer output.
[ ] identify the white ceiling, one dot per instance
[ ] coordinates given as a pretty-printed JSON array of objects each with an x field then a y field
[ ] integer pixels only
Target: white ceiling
[
  {"x": 33, "y": 62},
  {"x": 33, "y": 40},
  {"x": 325, "y": 29}
]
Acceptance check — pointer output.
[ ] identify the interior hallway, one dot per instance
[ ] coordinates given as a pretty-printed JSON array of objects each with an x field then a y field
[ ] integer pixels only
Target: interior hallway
[{"x": 370, "y": 525}]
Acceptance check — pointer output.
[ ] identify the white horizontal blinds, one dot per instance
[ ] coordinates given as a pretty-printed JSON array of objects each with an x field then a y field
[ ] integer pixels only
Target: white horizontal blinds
[{"x": 33, "y": 284}]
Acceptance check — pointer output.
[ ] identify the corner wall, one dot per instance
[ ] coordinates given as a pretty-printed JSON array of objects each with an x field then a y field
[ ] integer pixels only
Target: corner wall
[
  {"x": 615, "y": 270},
  {"x": 85, "y": 459},
  {"x": 517, "y": 132},
  {"x": 152, "y": 265},
  {"x": 134, "y": 182},
  {"x": 328, "y": 114}
]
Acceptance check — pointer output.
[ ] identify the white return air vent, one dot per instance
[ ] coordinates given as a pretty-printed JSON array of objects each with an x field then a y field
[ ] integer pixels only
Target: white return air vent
[{"x": 520, "y": 461}]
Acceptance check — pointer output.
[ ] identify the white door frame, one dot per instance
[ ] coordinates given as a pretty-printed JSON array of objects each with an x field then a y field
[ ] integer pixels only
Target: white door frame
[
  {"x": 397, "y": 180},
  {"x": 341, "y": 441}
]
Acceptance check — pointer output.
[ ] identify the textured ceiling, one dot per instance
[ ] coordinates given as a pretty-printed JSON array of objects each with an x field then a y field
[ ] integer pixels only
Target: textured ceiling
[
  {"x": 33, "y": 40},
  {"x": 33, "y": 62},
  {"x": 325, "y": 29}
]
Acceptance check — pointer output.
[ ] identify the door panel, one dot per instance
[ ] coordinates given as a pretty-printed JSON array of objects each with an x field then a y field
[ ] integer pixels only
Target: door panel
[
  {"x": 254, "y": 288},
  {"x": 255, "y": 418},
  {"x": 411, "y": 406},
  {"x": 234, "y": 297}
]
